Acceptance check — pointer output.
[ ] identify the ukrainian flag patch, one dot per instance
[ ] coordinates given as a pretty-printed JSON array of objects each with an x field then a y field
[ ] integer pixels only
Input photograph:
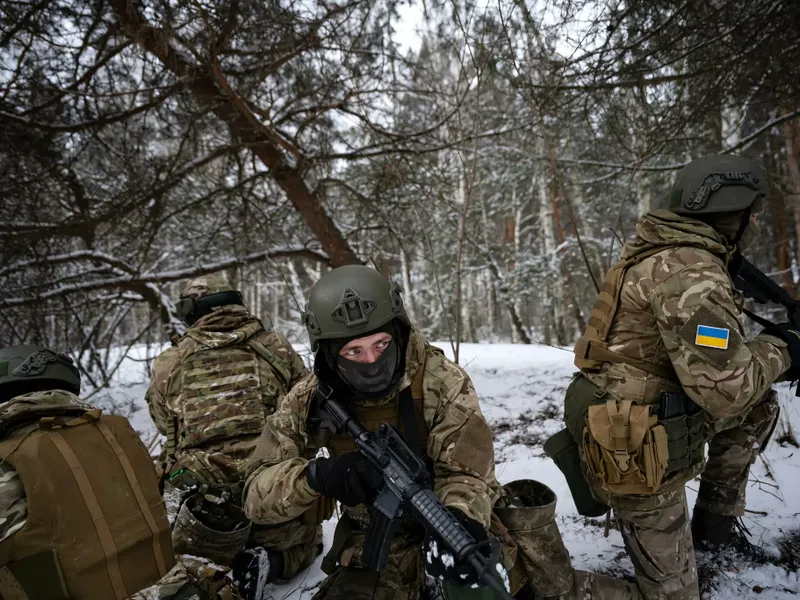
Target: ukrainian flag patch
[{"x": 712, "y": 337}]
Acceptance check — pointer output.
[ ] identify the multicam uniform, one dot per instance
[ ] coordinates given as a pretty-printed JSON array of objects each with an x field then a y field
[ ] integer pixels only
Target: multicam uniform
[
  {"x": 459, "y": 444},
  {"x": 672, "y": 324},
  {"x": 210, "y": 396}
]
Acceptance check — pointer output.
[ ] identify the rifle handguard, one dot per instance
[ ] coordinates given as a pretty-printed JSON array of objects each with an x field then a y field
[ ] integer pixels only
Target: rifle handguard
[{"x": 434, "y": 514}]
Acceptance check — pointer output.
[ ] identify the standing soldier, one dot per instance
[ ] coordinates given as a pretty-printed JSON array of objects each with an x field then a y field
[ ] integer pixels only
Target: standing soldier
[
  {"x": 665, "y": 368},
  {"x": 382, "y": 369},
  {"x": 210, "y": 395},
  {"x": 81, "y": 516}
]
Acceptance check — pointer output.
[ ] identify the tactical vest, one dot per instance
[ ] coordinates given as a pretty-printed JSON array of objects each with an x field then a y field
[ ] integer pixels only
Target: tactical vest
[
  {"x": 685, "y": 434},
  {"x": 225, "y": 392},
  {"x": 96, "y": 526},
  {"x": 592, "y": 351},
  {"x": 372, "y": 416}
]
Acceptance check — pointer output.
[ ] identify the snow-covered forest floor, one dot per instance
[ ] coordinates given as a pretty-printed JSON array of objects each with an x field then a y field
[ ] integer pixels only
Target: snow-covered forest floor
[{"x": 521, "y": 390}]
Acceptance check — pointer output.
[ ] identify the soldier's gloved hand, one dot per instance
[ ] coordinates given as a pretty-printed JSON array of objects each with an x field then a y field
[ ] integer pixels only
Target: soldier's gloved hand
[
  {"x": 349, "y": 478},
  {"x": 791, "y": 335},
  {"x": 254, "y": 568},
  {"x": 440, "y": 561}
]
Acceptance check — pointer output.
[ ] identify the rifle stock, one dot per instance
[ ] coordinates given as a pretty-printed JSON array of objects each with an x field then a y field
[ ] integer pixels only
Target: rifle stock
[{"x": 406, "y": 487}]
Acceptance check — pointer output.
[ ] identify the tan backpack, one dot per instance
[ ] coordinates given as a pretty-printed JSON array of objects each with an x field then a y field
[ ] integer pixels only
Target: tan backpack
[{"x": 96, "y": 526}]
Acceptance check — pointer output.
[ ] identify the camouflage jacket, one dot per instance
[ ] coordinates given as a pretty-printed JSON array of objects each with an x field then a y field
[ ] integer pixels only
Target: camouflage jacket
[
  {"x": 665, "y": 301},
  {"x": 222, "y": 459},
  {"x": 18, "y": 417},
  {"x": 459, "y": 444}
]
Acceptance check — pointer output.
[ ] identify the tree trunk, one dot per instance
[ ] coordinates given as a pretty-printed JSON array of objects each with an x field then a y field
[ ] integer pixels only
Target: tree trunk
[
  {"x": 791, "y": 133},
  {"x": 210, "y": 88}
]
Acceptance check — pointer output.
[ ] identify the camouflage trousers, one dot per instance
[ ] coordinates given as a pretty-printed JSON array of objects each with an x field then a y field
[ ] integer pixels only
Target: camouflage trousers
[
  {"x": 187, "y": 579},
  {"x": 731, "y": 451},
  {"x": 657, "y": 529}
]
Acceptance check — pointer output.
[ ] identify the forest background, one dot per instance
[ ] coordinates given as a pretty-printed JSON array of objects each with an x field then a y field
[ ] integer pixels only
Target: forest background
[{"x": 491, "y": 156}]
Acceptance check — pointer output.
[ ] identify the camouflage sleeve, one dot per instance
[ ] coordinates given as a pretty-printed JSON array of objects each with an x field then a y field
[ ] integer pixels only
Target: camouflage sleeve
[
  {"x": 699, "y": 324},
  {"x": 157, "y": 391},
  {"x": 13, "y": 504},
  {"x": 155, "y": 396},
  {"x": 276, "y": 489},
  {"x": 460, "y": 444}
]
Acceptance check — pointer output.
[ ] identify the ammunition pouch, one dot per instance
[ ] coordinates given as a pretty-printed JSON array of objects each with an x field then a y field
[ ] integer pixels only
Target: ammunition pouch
[
  {"x": 528, "y": 513},
  {"x": 562, "y": 448},
  {"x": 686, "y": 439},
  {"x": 625, "y": 448},
  {"x": 677, "y": 434},
  {"x": 210, "y": 527}
]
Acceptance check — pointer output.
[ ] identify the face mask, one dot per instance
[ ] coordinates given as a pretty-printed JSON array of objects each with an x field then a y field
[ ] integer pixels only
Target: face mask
[{"x": 371, "y": 379}]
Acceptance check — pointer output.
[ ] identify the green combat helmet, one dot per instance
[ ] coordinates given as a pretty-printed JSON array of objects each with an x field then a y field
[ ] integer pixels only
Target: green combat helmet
[
  {"x": 717, "y": 184},
  {"x": 25, "y": 369},
  {"x": 350, "y": 301}
]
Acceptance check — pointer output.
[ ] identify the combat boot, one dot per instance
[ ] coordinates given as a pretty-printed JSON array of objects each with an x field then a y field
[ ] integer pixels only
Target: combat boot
[
  {"x": 722, "y": 533},
  {"x": 709, "y": 530}
]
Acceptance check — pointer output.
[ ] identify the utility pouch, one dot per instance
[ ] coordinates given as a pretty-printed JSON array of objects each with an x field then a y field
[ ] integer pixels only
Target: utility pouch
[
  {"x": 625, "y": 448},
  {"x": 561, "y": 447}
]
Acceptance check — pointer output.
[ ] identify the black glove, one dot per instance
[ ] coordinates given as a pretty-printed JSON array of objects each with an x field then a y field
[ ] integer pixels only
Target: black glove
[
  {"x": 791, "y": 335},
  {"x": 253, "y": 568},
  {"x": 349, "y": 478},
  {"x": 440, "y": 561}
]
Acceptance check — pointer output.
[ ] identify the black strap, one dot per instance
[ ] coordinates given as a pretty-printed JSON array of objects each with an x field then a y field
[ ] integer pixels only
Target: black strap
[
  {"x": 760, "y": 320},
  {"x": 408, "y": 418}
]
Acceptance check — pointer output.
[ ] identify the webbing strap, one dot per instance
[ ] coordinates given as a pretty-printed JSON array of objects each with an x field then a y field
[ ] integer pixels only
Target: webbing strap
[
  {"x": 100, "y": 523},
  {"x": 10, "y": 588},
  {"x": 408, "y": 418},
  {"x": 275, "y": 361},
  {"x": 172, "y": 442},
  {"x": 416, "y": 383},
  {"x": 595, "y": 351},
  {"x": 138, "y": 494},
  {"x": 620, "y": 417}
]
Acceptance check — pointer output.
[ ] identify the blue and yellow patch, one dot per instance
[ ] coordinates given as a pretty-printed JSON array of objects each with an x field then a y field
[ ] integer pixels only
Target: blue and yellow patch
[{"x": 712, "y": 337}]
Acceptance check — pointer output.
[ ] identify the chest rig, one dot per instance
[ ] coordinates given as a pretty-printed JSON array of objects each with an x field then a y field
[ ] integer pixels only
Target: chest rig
[{"x": 405, "y": 411}]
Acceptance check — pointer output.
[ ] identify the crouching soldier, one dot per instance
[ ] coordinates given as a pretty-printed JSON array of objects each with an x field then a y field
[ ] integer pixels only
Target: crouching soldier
[
  {"x": 210, "y": 395},
  {"x": 374, "y": 362},
  {"x": 81, "y": 516}
]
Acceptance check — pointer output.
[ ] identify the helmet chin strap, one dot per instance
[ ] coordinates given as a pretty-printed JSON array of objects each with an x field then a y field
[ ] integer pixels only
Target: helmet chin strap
[{"x": 742, "y": 226}]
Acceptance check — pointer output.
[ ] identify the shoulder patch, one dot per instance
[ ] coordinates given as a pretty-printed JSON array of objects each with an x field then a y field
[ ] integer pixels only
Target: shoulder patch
[{"x": 711, "y": 336}]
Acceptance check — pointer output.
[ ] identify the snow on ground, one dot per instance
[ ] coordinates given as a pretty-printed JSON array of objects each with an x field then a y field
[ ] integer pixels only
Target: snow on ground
[{"x": 521, "y": 390}]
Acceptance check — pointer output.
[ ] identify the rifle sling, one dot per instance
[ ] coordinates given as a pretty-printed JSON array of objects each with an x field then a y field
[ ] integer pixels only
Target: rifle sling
[{"x": 760, "y": 320}]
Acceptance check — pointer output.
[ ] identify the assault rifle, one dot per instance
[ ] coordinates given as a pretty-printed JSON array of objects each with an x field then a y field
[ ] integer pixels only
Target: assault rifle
[
  {"x": 754, "y": 284},
  {"x": 406, "y": 487}
]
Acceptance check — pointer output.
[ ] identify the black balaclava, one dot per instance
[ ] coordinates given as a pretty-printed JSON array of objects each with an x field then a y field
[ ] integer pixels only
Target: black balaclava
[{"x": 369, "y": 380}]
